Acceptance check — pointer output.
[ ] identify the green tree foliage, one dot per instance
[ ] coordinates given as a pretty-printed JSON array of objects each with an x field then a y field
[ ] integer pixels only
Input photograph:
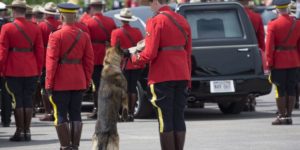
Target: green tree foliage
[{"x": 33, "y": 2}]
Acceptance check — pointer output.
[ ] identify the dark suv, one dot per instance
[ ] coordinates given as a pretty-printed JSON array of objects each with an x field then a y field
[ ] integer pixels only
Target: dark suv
[{"x": 226, "y": 61}]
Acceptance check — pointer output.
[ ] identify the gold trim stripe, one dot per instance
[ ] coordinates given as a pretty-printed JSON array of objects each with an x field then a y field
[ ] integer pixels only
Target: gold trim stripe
[
  {"x": 160, "y": 116},
  {"x": 282, "y": 6},
  {"x": 13, "y": 103},
  {"x": 276, "y": 92},
  {"x": 54, "y": 110},
  {"x": 61, "y": 10}
]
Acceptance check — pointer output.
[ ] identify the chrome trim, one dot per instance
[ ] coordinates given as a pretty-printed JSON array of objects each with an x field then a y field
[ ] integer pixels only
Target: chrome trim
[{"x": 225, "y": 46}]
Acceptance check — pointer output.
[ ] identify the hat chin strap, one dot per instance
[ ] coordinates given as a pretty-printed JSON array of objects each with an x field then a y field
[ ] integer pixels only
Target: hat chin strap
[{"x": 126, "y": 17}]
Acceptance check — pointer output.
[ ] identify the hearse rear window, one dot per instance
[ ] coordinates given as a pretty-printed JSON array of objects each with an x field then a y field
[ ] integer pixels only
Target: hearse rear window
[{"x": 221, "y": 24}]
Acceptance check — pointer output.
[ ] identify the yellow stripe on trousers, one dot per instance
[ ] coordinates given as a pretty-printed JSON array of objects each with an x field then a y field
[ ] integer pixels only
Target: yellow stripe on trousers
[
  {"x": 54, "y": 110},
  {"x": 276, "y": 88},
  {"x": 160, "y": 116},
  {"x": 13, "y": 103}
]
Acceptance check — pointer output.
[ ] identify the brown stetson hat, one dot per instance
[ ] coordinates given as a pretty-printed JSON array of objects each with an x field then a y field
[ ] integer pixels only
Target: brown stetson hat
[
  {"x": 49, "y": 8},
  {"x": 97, "y": 2},
  {"x": 29, "y": 10},
  {"x": 17, "y": 3}
]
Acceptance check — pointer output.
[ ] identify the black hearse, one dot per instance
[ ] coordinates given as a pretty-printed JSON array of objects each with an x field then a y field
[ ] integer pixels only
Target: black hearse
[{"x": 226, "y": 61}]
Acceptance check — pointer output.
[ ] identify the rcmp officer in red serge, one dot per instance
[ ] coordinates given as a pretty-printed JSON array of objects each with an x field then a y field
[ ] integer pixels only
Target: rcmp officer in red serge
[
  {"x": 5, "y": 99},
  {"x": 168, "y": 50},
  {"x": 47, "y": 26},
  {"x": 69, "y": 67},
  {"x": 127, "y": 37},
  {"x": 100, "y": 32},
  {"x": 21, "y": 62},
  {"x": 257, "y": 23},
  {"x": 282, "y": 52}
]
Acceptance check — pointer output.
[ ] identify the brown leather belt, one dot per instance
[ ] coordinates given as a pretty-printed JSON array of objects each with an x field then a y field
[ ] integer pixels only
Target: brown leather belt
[
  {"x": 70, "y": 61},
  {"x": 285, "y": 48},
  {"x": 99, "y": 42},
  {"x": 174, "y": 48},
  {"x": 20, "y": 49}
]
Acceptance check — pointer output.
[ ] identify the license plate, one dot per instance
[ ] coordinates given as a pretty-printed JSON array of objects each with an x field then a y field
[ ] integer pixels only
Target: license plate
[{"x": 222, "y": 86}]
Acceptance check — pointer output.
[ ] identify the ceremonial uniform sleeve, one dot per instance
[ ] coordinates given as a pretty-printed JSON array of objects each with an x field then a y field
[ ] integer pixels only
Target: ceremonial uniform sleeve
[
  {"x": 52, "y": 59},
  {"x": 188, "y": 48},
  {"x": 151, "y": 44},
  {"x": 39, "y": 51},
  {"x": 261, "y": 35},
  {"x": 88, "y": 61},
  {"x": 43, "y": 28},
  {"x": 114, "y": 38},
  {"x": 4, "y": 45},
  {"x": 270, "y": 46}
]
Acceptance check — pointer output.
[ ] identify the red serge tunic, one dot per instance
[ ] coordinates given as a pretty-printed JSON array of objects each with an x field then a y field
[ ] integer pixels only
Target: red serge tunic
[
  {"x": 125, "y": 42},
  {"x": 98, "y": 36},
  {"x": 47, "y": 26},
  {"x": 258, "y": 27},
  {"x": 16, "y": 63},
  {"x": 166, "y": 65},
  {"x": 280, "y": 54},
  {"x": 61, "y": 77}
]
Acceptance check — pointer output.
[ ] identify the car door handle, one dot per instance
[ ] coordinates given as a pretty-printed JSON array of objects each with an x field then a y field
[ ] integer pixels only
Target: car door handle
[{"x": 243, "y": 49}]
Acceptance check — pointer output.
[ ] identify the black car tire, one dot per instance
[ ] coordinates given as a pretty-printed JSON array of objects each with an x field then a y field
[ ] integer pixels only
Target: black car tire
[
  {"x": 250, "y": 103},
  {"x": 143, "y": 108},
  {"x": 234, "y": 107}
]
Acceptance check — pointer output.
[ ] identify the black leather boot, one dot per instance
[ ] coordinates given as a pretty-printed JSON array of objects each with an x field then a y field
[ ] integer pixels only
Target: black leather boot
[
  {"x": 19, "y": 119},
  {"x": 167, "y": 141},
  {"x": 27, "y": 122},
  {"x": 76, "y": 128},
  {"x": 179, "y": 140},
  {"x": 290, "y": 106},
  {"x": 63, "y": 133},
  {"x": 281, "y": 105}
]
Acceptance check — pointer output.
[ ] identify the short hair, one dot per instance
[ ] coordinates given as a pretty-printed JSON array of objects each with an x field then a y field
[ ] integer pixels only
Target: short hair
[
  {"x": 68, "y": 17},
  {"x": 161, "y": 1},
  {"x": 96, "y": 7},
  {"x": 19, "y": 10},
  {"x": 38, "y": 15}
]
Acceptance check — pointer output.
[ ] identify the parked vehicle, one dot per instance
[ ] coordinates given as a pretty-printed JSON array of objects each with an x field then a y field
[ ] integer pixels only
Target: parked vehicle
[{"x": 226, "y": 61}]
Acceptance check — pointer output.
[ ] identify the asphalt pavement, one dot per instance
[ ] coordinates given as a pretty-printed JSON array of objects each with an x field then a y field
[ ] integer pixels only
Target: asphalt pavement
[{"x": 207, "y": 129}]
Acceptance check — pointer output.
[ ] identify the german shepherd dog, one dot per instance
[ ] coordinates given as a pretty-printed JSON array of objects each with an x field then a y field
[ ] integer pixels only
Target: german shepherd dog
[{"x": 112, "y": 97}]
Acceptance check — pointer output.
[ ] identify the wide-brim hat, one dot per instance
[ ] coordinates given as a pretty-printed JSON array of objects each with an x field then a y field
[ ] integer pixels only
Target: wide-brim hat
[
  {"x": 293, "y": 7},
  {"x": 17, "y": 3},
  {"x": 49, "y": 8},
  {"x": 125, "y": 15},
  {"x": 2, "y": 6},
  {"x": 29, "y": 10},
  {"x": 97, "y": 2},
  {"x": 36, "y": 9},
  {"x": 138, "y": 48}
]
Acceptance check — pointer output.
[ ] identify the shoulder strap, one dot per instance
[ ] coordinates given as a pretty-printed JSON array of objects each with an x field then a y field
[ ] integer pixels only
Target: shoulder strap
[
  {"x": 72, "y": 46},
  {"x": 102, "y": 27},
  {"x": 24, "y": 34},
  {"x": 177, "y": 25},
  {"x": 290, "y": 31},
  {"x": 128, "y": 36}
]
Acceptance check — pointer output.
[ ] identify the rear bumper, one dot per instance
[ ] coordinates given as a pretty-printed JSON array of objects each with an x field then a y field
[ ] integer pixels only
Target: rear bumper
[{"x": 257, "y": 85}]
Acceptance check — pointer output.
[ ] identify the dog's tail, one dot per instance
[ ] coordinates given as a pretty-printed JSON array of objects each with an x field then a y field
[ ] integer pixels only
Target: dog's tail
[{"x": 105, "y": 141}]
